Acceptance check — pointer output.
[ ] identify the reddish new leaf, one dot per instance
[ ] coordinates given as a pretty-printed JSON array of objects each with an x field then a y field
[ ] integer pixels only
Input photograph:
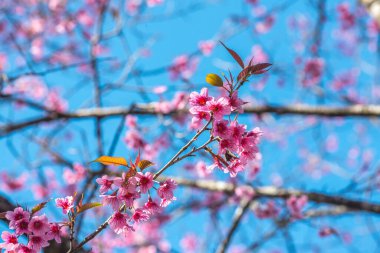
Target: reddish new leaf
[
  {"x": 260, "y": 68},
  {"x": 234, "y": 55}
]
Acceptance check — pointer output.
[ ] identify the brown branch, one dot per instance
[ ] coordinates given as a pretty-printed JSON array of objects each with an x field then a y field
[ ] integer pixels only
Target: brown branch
[
  {"x": 239, "y": 213},
  {"x": 273, "y": 192},
  {"x": 373, "y": 7},
  {"x": 149, "y": 110}
]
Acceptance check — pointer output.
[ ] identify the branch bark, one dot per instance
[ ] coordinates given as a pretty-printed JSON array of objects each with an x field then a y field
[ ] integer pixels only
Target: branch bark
[
  {"x": 149, "y": 110},
  {"x": 273, "y": 192},
  {"x": 373, "y": 7}
]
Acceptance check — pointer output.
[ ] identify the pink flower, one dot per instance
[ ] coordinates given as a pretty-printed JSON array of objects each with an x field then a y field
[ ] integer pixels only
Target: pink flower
[
  {"x": 128, "y": 198},
  {"x": 235, "y": 102},
  {"x": 327, "y": 231},
  {"x": 111, "y": 200},
  {"x": 152, "y": 3},
  {"x": 295, "y": 205},
  {"x": 17, "y": 215},
  {"x": 234, "y": 168},
  {"x": 55, "y": 232},
  {"x": 55, "y": 102},
  {"x": 269, "y": 210},
  {"x": 219, "y": 107},
  {"x": 65, "y": 203},
  {"x": 166, "y": 189},
  {"x": 25, "y": 249},
  {"x": 237, "y": 131},
  {"x": 105, "y": 184},
  {"x": 21, "y": 226},
  {"x": 220, "y": 128},
  {"x": 37, "y": 242},
  {"x": 201, "y": 169},
  {"x": 145, "y": 181},
  {"x": 10, "y": 241},
  {"x": 346, "y": 17},
  {"x": 199, "y": 99},
  {"x": 118, "y": 221},
  {"x": 134, "y": 140},
  {"x": 199, "y": 114},
  {"x": 39, "y": 225},
  {"x": 206, "y": 47},
  {"x": 13, "y": 183},
  {"x": 189, "y": 243},
  {"x": 140, "y": 215},
  {"x": 152, "y": 207},
  {"x": 313, "y": 71}
]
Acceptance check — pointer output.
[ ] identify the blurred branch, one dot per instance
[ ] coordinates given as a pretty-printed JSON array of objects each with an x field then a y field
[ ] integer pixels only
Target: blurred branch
[
  {"x": 273, "y": 192},
  {"x": 149, "y": 109},
  {"x": 373, "y": 7}
]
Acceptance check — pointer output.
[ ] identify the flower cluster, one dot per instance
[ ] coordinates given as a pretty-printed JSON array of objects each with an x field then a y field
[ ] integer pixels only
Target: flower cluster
[
  {"x": 38, "y": 229},
  {"x": 295, "y": 205},
  {"x": 122, "y": 193},
  {"x": 236, "y": 144}
]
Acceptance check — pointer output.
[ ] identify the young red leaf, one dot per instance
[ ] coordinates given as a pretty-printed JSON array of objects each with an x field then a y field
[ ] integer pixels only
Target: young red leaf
[
  {"x": 260, "y": 68},
  {"x": 234, "y": 55}
]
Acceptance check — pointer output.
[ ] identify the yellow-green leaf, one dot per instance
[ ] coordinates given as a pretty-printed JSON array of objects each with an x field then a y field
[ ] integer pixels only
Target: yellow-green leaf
[
  {"x": 109, "y": 160},
  {"x": 88, "y": 206},
  {"x": 143, "y": 164},
  {"x": 214, "y": 80},
  {"x": 38, "y": 207}
]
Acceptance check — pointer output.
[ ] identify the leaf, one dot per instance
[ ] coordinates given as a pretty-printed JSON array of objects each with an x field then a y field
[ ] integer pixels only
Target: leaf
[
  {"x": 130, "y": 173},
  {"x": 234, "y": 55},
  {"x": 214, "y": 80},
  {"x": 243, "y": 74},
  {"x": 260, "y": 68},
  {"x": 143, "y": 164},
  {"x": 88, "y": 206},
  {"x": 109, "y": 160},
  {"x": 38, "y": 207},
  {"x": 2, "y": 215}
]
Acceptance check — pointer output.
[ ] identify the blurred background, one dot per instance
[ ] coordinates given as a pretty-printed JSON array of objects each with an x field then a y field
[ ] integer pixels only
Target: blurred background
[{"x": 72, "y": 70}]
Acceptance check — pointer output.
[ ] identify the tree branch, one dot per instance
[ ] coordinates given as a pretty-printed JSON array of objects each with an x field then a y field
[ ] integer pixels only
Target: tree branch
[
  {"x": 273, "y": 192},
  {"x": 149, "y": 110}
]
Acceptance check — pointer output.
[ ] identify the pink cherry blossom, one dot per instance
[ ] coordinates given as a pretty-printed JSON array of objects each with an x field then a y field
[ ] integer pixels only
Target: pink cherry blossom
[
  {"x": 199, "y": 99},
  {"x": 111, "y": 200},
  {"x": 118, "y": 221},
  {"x": 295, "y": 205},
  {"x": 206, "y": 47},
  {"x": 22, "y": 226},
  {"x": 312, "y": 72},
  {"x": 65, "y": 203},
  {"x": 219, "y": 108},
  {"x": 10, "y": 241},
  {"x": 55, "y": 232},
  {"x": 145, "y": 181},
  {"x": 220, "y": 128},
  {"x": 268, "y": 210},
  {"x": 166, "y": 191},
  {"x": 16, "y": 215},
  {"x": 105, "y": 183},
  {"x": 39, "y": 225},
  {"x": 37, "y": 242},
  {"x": 152, "y": 207},
  {"x": 140, "y": 215}
]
